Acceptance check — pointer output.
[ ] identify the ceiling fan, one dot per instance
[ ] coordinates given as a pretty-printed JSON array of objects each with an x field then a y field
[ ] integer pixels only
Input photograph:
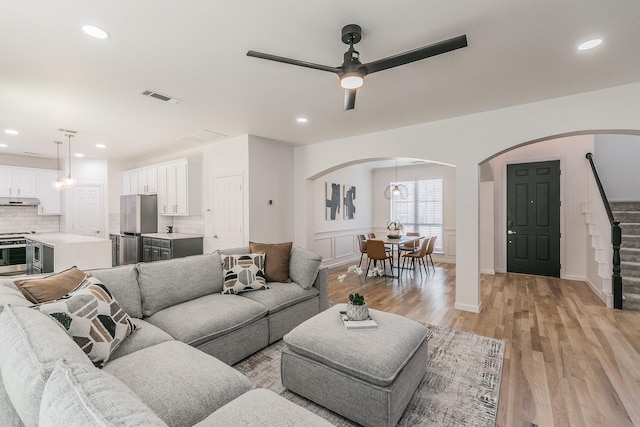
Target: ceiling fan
[{"x": 352, "y": 71}]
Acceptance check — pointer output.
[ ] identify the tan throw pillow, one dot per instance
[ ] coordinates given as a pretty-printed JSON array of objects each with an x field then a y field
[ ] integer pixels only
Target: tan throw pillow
[
  {"x": 51, "y": 287},
  {"x": 276, "y": 260}
]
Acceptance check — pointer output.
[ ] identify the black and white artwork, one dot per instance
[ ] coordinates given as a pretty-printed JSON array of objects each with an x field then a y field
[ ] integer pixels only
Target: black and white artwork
[
  {"x": 334, "y": 201},
  {"x": 349, "y": 209}
]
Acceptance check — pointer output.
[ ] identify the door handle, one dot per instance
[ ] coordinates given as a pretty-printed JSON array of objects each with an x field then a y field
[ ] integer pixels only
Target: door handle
[{"x": 511, "y": 232}]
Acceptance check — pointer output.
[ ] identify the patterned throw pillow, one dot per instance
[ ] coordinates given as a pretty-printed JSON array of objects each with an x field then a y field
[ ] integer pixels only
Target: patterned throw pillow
[
  {"x": 92, "y": 318},
  {"x": 243, "y": 273}
]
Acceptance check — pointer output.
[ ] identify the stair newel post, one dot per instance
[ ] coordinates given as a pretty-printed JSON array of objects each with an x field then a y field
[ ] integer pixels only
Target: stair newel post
[{"x": 616, "y": 240}]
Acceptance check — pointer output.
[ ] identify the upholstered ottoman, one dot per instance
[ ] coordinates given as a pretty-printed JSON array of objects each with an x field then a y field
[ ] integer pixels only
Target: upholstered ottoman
[{"x": 366, "y": 375}]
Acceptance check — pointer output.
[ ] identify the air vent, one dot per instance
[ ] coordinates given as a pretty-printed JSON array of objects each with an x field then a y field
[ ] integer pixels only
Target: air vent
[
  {"x": 161, "y": 97},
  {"x": 67, "y": 130},
  {"x": 202, "y": 136}
]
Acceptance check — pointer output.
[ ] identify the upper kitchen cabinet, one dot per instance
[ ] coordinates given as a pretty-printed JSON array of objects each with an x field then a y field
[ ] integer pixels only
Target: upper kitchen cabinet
[
  {"x": 179, "y": 188},
  {"x": 50, "y": 198},
  {"x": 140, "y": 181},
  {"x": 17, "y": 182}
]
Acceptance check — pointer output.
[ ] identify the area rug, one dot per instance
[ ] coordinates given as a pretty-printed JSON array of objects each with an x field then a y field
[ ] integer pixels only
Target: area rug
[{"x": 461, "y": 387}]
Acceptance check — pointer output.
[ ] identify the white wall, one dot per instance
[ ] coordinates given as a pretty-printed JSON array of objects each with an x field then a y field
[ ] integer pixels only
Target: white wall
[
  {"x": 616, "y": 157},
  {"x": 571, "y": 152},
  {"x": 335, "y": 239},
  {"x": 270, "y": 178},
  {"x": 466, "y": 142}
]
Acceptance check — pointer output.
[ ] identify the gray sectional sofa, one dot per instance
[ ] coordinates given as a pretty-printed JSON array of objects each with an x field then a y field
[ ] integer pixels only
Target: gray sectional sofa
[{"x": 174, "y": 368}]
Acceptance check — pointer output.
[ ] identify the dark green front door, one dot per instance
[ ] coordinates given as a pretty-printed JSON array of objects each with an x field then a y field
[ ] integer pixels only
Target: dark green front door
[{"x": 533, "y": 218}]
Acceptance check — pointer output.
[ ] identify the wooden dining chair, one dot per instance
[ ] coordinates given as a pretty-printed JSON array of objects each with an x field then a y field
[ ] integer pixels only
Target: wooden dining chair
[
  {"x": 376, "y": 252},
  {"x": 432, "y": 243},
  {"x": 418, "y": 255},
  {"x": 362, "y": 244}
]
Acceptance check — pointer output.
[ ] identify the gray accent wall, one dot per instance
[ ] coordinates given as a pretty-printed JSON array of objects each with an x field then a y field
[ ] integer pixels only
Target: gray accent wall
[{"x": 617, "y": 158}]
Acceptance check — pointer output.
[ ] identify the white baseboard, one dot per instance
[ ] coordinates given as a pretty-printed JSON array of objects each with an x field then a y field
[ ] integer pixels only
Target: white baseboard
[
  {"x": 468, "y": 307},
  {"x": 487, "y": 271},
  {"x": 607, "y": 299},
  {"x": 578, "y": 278}
]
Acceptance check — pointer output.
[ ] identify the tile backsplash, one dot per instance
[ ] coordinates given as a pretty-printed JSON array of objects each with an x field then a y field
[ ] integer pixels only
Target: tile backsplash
[
  {"x": 181, "y": 224},
  {"x": 25, "y": 218}
]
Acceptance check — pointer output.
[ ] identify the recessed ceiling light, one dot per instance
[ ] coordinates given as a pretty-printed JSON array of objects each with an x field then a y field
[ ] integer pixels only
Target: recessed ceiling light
[
  {"x": 590, "y": 44},
  {"x": 79, "y": 155},
  {"x": 3, "y": 145},
  {"x": 101, "y": 146},
  {"x": 96, "y": 32},
  {"x": 11, "y": 131},
  {"x": 302, "y": 120}
]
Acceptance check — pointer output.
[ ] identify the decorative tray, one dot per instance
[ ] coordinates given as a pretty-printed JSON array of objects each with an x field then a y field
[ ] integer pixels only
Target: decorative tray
[{"x": 393, "y": 237}]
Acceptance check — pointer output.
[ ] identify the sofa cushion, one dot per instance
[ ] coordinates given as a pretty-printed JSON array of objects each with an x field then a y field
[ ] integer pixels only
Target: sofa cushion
[
  {"x": 9, "y": 295},
  {"x": 281, "y": 296},
  {"x": 208, "y": 317},
  {"x": 181, "y": 384},
  {"x": 276, "y": 260},
  {"x": 164, "y": 283},
  {"x": 122, "y": 282},
  {"x": 51, "y": 287},
  {"x": 80, "y": 395},
  {"x": 261, "y": 407},
  {"x": 146, "y": 335},
  {"x": 243, "y": 273},
  {"x": 304, "y": 266},
  {"x": 8, "y": 414},
  {"x": 30, "y": 344},
  {"x": 92, "y": 318}
]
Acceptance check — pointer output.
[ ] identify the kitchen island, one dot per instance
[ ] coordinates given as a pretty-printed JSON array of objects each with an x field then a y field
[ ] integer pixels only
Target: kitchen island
[
  {"x": 53, "y": 252},
  {"x": 163, "y": 246}
]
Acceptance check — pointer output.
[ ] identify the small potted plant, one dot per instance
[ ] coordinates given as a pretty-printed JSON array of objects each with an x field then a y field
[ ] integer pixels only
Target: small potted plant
[
  {"x": 395, "y": 228},
  {"x": 357, "y": 308}
]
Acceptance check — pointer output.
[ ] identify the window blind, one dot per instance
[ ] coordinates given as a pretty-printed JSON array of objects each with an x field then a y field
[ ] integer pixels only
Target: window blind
[{"x": 422, "y": 210}]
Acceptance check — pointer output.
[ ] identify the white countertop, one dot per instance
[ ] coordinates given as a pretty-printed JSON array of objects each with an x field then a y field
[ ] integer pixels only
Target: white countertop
[
  {"x": 172, "y": 236},
  {"x": 53, "y": 239}
]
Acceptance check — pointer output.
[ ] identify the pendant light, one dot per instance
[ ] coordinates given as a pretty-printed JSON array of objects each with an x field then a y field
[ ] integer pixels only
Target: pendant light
[
  {"x": 69, "y": 181},
  {"x": 396, "y": 191},
  {"x": 58, "y": 184}
]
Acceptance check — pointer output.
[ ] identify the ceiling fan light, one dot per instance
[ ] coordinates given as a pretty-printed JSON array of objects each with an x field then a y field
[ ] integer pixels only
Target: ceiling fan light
[{"x": 351, "y": 80}]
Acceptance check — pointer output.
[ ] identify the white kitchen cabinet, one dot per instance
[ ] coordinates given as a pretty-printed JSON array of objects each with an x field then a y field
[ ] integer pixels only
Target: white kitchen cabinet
[
  {"x": 179, "y": 188},
  {"x": 17, "y": 182},
  {"x": 50, "y": 197},
  {"x": 140, "y": 181}
]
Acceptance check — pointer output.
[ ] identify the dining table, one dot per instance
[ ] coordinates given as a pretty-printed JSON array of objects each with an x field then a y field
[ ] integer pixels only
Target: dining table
[{"x": 392, "y": 241}]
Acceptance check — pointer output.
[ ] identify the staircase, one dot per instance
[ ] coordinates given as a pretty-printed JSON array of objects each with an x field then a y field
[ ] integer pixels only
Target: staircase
[{"x": 628, "y": 213}]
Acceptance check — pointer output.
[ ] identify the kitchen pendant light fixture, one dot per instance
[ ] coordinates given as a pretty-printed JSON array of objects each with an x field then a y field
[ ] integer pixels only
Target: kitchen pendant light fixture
[
  {"x": 69, "y": 181},
  {"x": 395, "y": 190},
  {"x": 58, "y": 184}
]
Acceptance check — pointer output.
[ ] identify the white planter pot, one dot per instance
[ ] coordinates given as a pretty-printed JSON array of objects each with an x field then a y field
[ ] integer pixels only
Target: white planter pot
[{"x": 357, "y": 312}]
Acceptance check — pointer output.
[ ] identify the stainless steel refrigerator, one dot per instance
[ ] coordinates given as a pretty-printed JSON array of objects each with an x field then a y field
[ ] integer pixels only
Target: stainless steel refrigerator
[{"x": 138, "y": 215}]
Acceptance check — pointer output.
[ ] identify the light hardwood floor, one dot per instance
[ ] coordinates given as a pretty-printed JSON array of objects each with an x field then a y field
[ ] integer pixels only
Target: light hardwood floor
[{"x": 569, "y": 360}]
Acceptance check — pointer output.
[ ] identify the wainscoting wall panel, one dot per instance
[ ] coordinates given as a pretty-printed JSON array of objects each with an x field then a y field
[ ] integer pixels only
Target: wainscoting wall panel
[{"x": 339, "y": 247}]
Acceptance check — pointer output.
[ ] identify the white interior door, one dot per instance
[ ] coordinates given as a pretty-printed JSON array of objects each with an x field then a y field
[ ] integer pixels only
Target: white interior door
[
  {"x": 227, "y": 212},
  {"x": 87, "y": 210}
]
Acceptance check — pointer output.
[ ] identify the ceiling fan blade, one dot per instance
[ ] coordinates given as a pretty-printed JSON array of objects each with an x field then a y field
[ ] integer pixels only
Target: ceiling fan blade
[
  {"x": 349, "y": 99},
  {"x": 293, "y": 62},
  {"x": 417, "y": 54}
]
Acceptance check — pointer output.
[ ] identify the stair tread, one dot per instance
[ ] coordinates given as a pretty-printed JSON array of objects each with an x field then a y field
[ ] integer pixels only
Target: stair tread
[
  {"x": 632, "y": 279},
  {"x": 637, "y": 264}
]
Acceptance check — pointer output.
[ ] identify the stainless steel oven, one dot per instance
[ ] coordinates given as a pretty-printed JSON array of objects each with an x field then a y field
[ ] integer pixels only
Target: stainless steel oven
[{"x": 13, "y": 255}]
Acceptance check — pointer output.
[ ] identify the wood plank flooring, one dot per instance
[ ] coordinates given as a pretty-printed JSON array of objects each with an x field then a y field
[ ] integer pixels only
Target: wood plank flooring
[{"x": 569, "y": 360}]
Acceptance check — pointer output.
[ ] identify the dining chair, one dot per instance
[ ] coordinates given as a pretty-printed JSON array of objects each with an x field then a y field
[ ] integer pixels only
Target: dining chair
[
  {"x": 432, "y": 243},
  {"x": 376, "y": 252},
  {"x": 412, "y": 246},
  {"x": 373, "y": 236},
  {"x": 419, "y": 255},
  {"x": 362, "y": 244}
]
